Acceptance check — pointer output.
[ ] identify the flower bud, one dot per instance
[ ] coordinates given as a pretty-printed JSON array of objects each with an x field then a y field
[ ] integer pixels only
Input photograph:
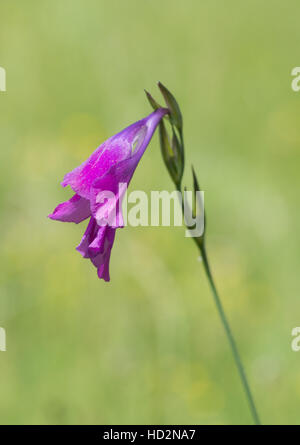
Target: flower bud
[
  {"x": 168, "y": 150},
  {"x": 175, "y": 113},
  {"x": 172, "y": 148}
]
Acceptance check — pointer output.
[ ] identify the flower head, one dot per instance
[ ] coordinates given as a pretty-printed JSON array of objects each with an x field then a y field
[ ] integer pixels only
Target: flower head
[{"x": 112, "y": 163}]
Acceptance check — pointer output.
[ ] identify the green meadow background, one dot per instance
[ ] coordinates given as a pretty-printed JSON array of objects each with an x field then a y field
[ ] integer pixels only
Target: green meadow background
[{"x": 148, "y": 347}]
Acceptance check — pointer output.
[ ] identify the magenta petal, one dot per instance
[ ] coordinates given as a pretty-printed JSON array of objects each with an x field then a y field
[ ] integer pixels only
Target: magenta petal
[
  {"x": 75, "y": 210},
  {"x": 107, "y": 154},
  {"x": 110, "y": 211},
  {"x": 111, "y": 152},
  {"x": 100, "y": 184},
  {"x": 96, "y": 244},
  {"x": 87, "y": 238},
  {"x": 101, "y": 261}
]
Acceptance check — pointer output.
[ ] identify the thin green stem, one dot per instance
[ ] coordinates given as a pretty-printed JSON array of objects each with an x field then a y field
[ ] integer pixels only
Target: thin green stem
[
  {"x": 200, "y": 242},
  {"x": 229, "y": 334}
]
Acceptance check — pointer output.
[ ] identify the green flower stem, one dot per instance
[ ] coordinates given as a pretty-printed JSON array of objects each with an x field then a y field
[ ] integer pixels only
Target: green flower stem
[
  {"x": 201, "y": 246},
  {"x": 229, "y": 334}
]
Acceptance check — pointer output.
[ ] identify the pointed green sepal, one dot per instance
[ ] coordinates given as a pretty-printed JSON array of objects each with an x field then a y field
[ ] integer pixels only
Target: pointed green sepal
[
  {"x": 175, "y": 113},
  {"x": 155, "y": 105},
  {"x": 169, "y": 154}
]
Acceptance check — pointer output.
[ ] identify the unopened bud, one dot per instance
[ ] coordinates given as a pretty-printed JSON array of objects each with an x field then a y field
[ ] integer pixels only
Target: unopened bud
[{"x": 175, "y": 113}]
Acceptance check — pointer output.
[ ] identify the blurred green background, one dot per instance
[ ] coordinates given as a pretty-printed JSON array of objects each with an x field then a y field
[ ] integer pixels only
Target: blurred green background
[{"x": 148, "y": 347}]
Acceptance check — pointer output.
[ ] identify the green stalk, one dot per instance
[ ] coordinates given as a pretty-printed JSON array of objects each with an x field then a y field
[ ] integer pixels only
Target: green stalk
[
  {"x": 173, "y": 155},
  {"x": 230, "y": 336},
  {"x": 241, "y": 370}
]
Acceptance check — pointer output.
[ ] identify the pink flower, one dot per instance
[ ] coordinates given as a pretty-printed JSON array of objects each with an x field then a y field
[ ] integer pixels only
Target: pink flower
[{"x": 111, "y": 164}]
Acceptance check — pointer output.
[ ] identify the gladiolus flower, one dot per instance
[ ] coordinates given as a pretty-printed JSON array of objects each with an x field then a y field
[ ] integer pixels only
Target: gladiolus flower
[{"x": 112, "y": 163}]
